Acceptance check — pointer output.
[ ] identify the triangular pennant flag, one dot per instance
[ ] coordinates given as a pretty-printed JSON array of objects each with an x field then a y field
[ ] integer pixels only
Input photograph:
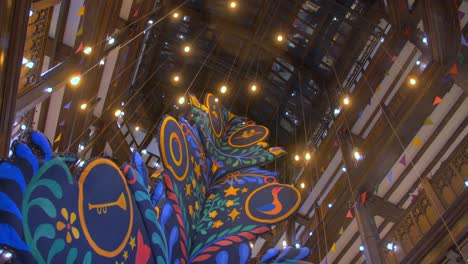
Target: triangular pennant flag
[
  {"x": 376, "y": 188},
  {"x": 428, "y": 122},
  {"x": 387, "y": 73},
  {"x": 67, "y": 106},
  {"x": 394, "y": 58},
  {"x": 333, "y": 248},
  {"x": 437, "y": 100},
  {"x": 341, "y": 231},
  {"x": 62, "y": 123},
  {"x": 363, "y": 197},
  {"x": 406, "y": 32},
  {"x": 56, "y": 150},
  {"x": 403, "y": 160},
  {"x": 135, "y": 14},
  {"x": 80, "y": 48},
  {"x": 389, "y": 177},
  {"x": 417, "y": 142},
  {"x": 58, "y": 138},
  {"x": 463, "y": 41},
  {"x": 349, "y": 214},
  {"x": 322, "y": 169},
  {"x": 357, "y": 206},
  {"x": 454, "y": 69},
  {"x": 413, "y": 197},
  {"x": 81, "y": 11},
  {"x": 80, "y": 31},
  {"x": 325, "y": 261},
  {"x": 378, "y": 88}
]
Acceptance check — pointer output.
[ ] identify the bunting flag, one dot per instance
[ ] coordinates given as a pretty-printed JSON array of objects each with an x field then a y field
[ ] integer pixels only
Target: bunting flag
[
  {"x": 322, "y": 169},
  {"x": 135, "y": 14},
  {"x": 360, "y": 113},
  {"x": 333, "y": 248},
  {"x": 394, "y": 58},
  {"x": 62, "y": 123},
  {"x": 349, "y": 214},
  {"x": 363, "y": 197},
  {"x": 403, "y": 160},
  {"x": 81, "y": 11},
  {"x": 325, "y": 260},
  {"x": 454, "y": 70},
  {"x": 58, "y": 138},
  {"x": 376, "y": 188},
  {"x": 463, "y": 41},
  {"x": 437, "y": 100},
  {"x": 378, "y": 88},
  {"x": 428, "y": 122},
  {"x": 387, "y": 73},
  {"x": 80, "y": 31},
  {"x": 406, "y": 32},
  {"x": 417, "y": 142},
  {"x": 341, "y": 231},
  {"x": 80, "y": 48},
  {"x": 389, "y": 177},
  {"x": 413, "y": 197},
  {"x": 67, "y": 106}
]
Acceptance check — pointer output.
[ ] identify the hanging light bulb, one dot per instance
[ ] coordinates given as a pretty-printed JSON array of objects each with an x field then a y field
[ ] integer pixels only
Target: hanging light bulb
[
  {"x": 285, "y": 244},
  {"x": 25, "y": 61},
  {"x": 30, "y": 65},
  {"x": 102, "y": 62},
  {"x": 223, "y": 89},
  {"x": 175, "y": 15},
  {"x": 307, "y": 156},
  {"x": 48, "y": 90},
  {"x": 302, "y": 185},
  {"x": 346, "y": 100},
  {"x": 111, "y": 41},
  {"x": 357, "y": 155},
  {"x": 412, "y": 81},
  {"x": 233, "y": 5},
  {"x": 87, "y": 50},
  {"x": 176, "y": 78},
  {"x": 279, "y": 38},
  {"x": 75, "y": 80},
  {"x": 137, "y": 128},
  {"x": 181, "y": 100},
  {"x": 118, "y": 112},
  {"x": 297, "y": 158},
  {"x": 216, "y": 99},
  {"x": 83, "y": 106},
  {"x": 253, "y": 87}
]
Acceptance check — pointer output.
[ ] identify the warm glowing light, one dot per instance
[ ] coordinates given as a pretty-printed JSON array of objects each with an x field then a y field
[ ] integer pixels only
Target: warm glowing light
[
  {"x": 412, "y": 81},
  {"x": 30, "y": 65},
  {"x": 298, "y": 245},
  {"x": 87, "y": 50},
  {"x": 83, "y": 106},
  {"x": 330, "y": 205},
  {"x": 302, "y": 185},
  {"x": 297, "y": 158},
  {"x": 279, "y": 38},
  {"x": 118, "y": 112},
  {"x": 25, "y": 61},
  {"x": 31, "y": 13},
  {"x": 137, "y": 128},
  {"x": 187, "y": 49},
  {"x": 253, "y": 87},
  {"x": 223, "y": 89},
  {"x": 181, "y": 100},
  {"x": 48, "y": 90},
  {"x": 150, "y": 22},
  {"x": 357, "y": 155},
  {"x": 102, "y": 62},
  {"x": 346, "y": 100},
  {"x": 23, "y": 127},
  {"x": 176, "y": 78},
  {"x": 111, "y": 41},
  {"x": 361, "y": 248},
  {"x": 75, "y": 80},
  {"x": 233, "y": 4},
  {"x": 216, "y": 99},
  {"x": 307, "y": 156},
  {"x": 285, "y": 244},
  {"x": 175, "y": 15}
]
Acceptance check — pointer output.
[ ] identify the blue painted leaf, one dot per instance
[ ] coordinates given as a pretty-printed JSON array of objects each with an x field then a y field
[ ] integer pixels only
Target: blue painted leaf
[
  {"x": 56, "y": 248},
  {"x": 46, "y": 205},
  {"x": 71, "y": 256},
  {"x": 244, "y": 253},
  {"x": 166, "y": 212},
  {"x": 222, "y": 257},
  {"x": 43, "y": 230}
]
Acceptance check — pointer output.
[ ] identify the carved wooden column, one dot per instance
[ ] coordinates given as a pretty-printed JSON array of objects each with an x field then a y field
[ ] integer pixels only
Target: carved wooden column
[
  {"x": 432, "y": 196},
  {"x": 369, "y": 234},
  {"x": 14, "y": 17}
]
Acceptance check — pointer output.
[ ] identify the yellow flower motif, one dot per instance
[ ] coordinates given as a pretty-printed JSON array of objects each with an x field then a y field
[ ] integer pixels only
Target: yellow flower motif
[
  {"x": 229, "y": 203},
  {"x": 213, "y": 214},
  {"x": 211, "y": 197},
  {"x": 218, "y": 224},
  {"x": 190, "y": 207},
  {"x": 68, "y": 225},
  {"x": 197, "y": 205}
]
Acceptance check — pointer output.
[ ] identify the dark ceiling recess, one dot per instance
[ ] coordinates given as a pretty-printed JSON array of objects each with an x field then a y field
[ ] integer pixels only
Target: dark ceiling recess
[{"x": 239, "y": 47}]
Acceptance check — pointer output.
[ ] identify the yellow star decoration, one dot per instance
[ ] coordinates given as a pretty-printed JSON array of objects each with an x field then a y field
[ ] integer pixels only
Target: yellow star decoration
[
  {"x": 229, "y": 203},
  {"x": 213, "y": 214},
  {"x": 194, "y": 183},
  {"x": 234, "y": 214},
  {"x": 190, "y": 207},
  {"x": 197, "y": 205},
  {"x": 218, "y": 224},
  {"x": 211, "y": 197},
  {"x": 244, "y": 190},
  {"x": 132, "y": 243},
  {"x": 187, "y": 190},
  {"x": 231, "y": 191},
  {"x": 125, "y": 255},
  {"x": 197, "y": 170}
]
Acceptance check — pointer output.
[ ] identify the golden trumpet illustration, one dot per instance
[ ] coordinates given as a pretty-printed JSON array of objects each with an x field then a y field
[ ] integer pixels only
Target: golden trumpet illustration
[{"x": 102, "y": 208}]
